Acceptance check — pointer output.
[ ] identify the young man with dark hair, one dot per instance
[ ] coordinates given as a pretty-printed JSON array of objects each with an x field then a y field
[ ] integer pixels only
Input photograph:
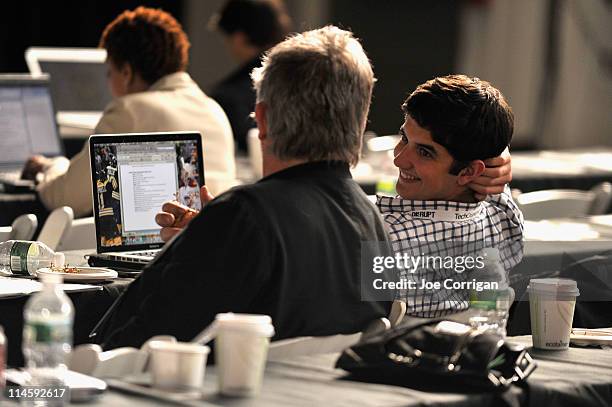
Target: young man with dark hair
[{"x": 454, "y": 126}]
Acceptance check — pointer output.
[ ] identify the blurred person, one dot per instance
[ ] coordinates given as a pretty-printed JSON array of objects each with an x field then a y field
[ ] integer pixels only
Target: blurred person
[
  {"x": 147, "y": 57},
  {"x": 188, "y": 194},
  {"x": 289, "y": 245},
  {"x": 250, "y": 27},
  {"x": 454, "y": 127}
]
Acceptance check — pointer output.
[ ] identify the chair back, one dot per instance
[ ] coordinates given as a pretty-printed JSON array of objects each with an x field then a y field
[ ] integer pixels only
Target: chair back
[
  {"x": 603, "y": 197},
  {"x": 555, "y": 203},
  {"x": 24, "y": 227},
  {"x": 312, "y": 345},
  {"x": 565, "y": 203},
  {"x": 80, "y": 236},
  {"x": 55, "y": 228},
  {"x": 593, "y": 275}
]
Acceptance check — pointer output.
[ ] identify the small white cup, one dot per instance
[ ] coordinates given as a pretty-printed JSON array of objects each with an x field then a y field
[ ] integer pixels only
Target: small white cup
[
  {"x": 241, "y": 348},
  {"x": 178, "y": 365},
  {"x": 551, "y": 305}
]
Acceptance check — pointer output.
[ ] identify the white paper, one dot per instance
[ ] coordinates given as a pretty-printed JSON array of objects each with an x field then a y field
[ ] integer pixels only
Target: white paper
[{"x": 17, "y": 287}]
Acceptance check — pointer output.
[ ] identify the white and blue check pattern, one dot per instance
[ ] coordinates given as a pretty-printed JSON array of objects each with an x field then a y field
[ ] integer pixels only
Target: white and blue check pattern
[{"x": 499, "y": 223}]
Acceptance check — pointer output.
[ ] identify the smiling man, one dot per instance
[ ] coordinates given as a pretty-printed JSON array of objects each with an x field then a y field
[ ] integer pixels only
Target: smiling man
[{"x": 454, "y": 128}]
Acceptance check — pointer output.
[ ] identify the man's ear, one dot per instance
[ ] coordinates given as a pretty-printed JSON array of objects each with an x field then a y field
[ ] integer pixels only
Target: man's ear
[
  {"x": 241, "y": 39},
  {"x": 474, "y": 169},
  {"x": 261, "y": 110}
]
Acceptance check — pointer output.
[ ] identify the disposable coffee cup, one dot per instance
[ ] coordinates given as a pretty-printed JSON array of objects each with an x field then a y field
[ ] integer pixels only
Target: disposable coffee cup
[
  {"x": 241, "y": 349},
  {"x": 178, "y": 366},
  {"x": 551, "y": 304}
]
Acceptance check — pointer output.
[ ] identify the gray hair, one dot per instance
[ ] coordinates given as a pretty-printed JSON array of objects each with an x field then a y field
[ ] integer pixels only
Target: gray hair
[{"x": 317, "y": 87}]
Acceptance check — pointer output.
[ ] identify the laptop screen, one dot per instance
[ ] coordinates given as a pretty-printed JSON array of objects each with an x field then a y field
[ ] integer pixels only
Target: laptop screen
[
  {"x": 133, "y": 175},
  {"x": 27, "y": 119},
  {"x": 78, "y": 76},
  {"x": 77, "y": 86}
]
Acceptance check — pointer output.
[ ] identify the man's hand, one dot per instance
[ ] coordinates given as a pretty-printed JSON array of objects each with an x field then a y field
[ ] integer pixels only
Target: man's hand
[
  {"x": 34, "y": 165},
  {"x": 497, "y": 174},
  {"x": 174, "y": 216}
]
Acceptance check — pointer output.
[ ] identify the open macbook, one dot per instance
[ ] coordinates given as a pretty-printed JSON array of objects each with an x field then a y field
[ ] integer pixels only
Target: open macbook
[
  {"x": 78, "y": 76},
  {"x": 132, "y": 176},
  {"x": 27, "y": 126}
]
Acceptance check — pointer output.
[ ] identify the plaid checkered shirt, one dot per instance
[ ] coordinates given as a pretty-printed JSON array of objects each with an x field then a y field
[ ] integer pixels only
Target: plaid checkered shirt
[{"x": 495, "y": 222}]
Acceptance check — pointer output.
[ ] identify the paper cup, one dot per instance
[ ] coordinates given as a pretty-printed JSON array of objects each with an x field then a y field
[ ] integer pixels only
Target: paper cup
[
  {"x": 241, "y": 348},
  {"x": 551, "y": 304},
  {"x": 178, "y": 365}
]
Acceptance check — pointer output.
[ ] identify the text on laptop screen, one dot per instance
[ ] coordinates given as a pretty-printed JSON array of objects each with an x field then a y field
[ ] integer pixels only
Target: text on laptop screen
[
  {"x": 77, "y": 86},
  {"x": 133, "y": 180},
  {"x": 27, "y": 122}
]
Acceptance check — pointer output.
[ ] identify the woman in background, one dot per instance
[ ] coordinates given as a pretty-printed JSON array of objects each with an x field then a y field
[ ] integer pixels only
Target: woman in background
[{"x": 147, "y": 55}]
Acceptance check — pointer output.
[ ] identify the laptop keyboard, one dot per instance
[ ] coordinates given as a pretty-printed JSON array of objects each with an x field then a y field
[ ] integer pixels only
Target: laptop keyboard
[
  {"x": 10, "y": 176},
  {"x": 137, "y": 256},
  {"x": 11, "y": 182}
]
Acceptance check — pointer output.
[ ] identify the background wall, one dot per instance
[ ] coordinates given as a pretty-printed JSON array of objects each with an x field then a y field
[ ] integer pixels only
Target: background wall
[
  {"x": 67, "y": 23},
  {"x": 552, "y": 59}
]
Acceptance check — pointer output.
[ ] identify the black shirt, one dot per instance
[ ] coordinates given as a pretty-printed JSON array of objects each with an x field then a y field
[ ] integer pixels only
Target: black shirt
[{"x": 287, "y": 246}]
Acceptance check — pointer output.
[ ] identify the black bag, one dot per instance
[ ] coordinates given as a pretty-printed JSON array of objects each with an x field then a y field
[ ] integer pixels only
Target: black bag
[{"x": 435, "y": 354}]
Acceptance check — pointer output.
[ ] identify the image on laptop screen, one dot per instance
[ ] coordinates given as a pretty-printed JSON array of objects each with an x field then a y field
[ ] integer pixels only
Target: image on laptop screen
[
  {"x": 134, "y": 177},
  {"x": 78, "y": 76},
  {"x": 27, "y": 119}
]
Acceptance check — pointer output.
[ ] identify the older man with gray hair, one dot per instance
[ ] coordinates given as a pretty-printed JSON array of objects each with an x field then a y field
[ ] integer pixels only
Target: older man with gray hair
[{"x": 289, "y": 245}]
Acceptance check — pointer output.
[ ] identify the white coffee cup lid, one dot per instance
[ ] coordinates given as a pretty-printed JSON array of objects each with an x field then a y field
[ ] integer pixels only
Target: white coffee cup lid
[
  {"x": 181, "y": 347},
  {"x": 558, "y": 286},
  {"x": 260, "y": 324}
]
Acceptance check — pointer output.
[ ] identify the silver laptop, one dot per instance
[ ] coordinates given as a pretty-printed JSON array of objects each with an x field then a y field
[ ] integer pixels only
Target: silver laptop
[
  {"x": 132, "y": 176},
  {"x": 78, "y": 76},
  {"x": 27, "y": 125}
]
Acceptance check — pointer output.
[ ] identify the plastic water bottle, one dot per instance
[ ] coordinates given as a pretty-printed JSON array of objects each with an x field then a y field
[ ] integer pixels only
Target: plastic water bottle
[
  {"x": 23, "y": 257},
  {"x": 2, "y": 360},
  {"x": 47, "y": 334},
  {"x": 490, "y": 307}
]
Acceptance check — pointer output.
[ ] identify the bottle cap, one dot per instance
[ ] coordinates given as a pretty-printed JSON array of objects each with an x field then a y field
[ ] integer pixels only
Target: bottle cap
[{"x": 59, "y": 260}]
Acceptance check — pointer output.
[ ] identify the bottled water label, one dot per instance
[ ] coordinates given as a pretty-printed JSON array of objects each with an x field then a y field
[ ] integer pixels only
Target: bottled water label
[
  {"x": 19, "y": 257},
  {"x": 47, "y": 331},
  {"x": 485, "y": 300}
]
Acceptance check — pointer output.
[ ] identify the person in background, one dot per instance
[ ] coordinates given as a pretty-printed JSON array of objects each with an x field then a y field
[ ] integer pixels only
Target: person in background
[
  {"x": 289, "y": 245},
  {"x": 250, "y": 27},
  {"x": 147, "y": 57},
  {"x": 454, "y": 126}
]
